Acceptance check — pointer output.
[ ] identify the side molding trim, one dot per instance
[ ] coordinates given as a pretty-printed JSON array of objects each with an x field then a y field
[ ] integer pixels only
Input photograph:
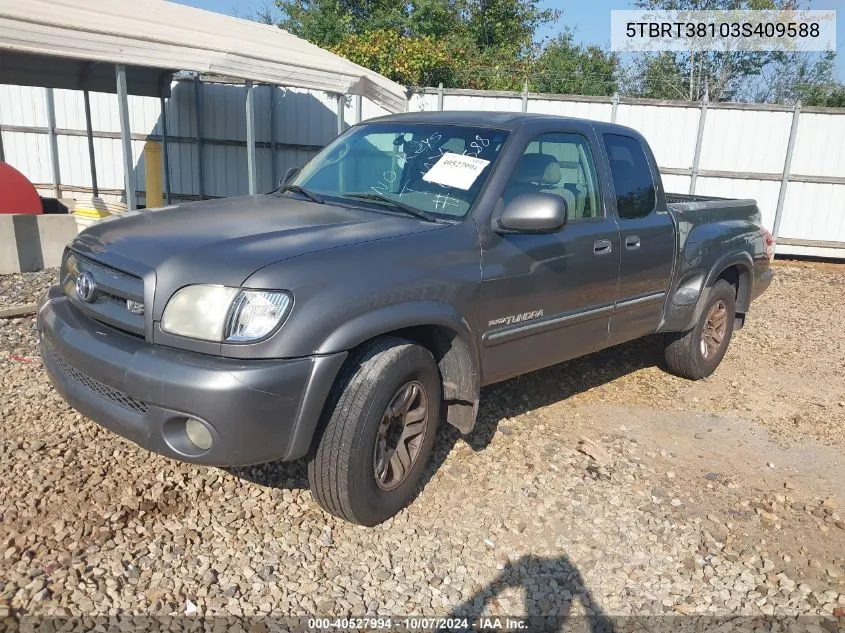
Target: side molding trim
[
  {"x": 509, "y": 333},
  {"x": 654, "y": 296}
]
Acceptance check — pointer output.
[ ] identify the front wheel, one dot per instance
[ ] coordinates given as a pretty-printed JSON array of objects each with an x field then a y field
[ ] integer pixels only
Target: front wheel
[
  {"x": 695, "y": 354},
  {"x": 379, "y": 427}
]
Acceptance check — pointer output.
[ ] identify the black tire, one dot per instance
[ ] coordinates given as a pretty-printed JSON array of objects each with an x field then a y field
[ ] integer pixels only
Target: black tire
[
  {"x": 687, "y": 353},
  {"x": 342, "y": 469}
]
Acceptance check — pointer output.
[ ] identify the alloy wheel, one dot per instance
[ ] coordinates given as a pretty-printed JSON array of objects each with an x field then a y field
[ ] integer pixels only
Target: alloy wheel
[
  {"x": 400, "y": 435},
  {"x": 715, "y": 328}
]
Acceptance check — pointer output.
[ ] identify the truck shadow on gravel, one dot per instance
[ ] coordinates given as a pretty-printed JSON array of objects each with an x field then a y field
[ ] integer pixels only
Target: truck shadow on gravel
[
  {"x": 550, "y": 585},
  {"x": 553, "y": 384},
  {"x": 501, "y": 401}
]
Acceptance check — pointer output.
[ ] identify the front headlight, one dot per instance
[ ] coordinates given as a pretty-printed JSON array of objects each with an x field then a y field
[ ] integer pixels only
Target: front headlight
[
  {"x": 198, "y": 311},
  {"x": 218, "y": 313}
]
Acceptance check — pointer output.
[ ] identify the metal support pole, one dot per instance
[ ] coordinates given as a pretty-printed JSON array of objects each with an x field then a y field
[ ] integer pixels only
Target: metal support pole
[
  {"x": 89, "y": 131},
  {"x": 440, "y": 97},
  {"x": 198, "y": 111},
  {"x": 525, "y": 96},
  {"x": 125, "y": 136},
  {"x": 359, "y": 108},
  {"x": 250, "y": 138},
  {"x": 696, "y": 157},
  {"x": 164, "y": 156},
  {"x": 787, "y": 164},
  {"x": 53, "y": 142},
  {"x": 614, "y": 107},
  {"x": 341, "y": 102},
  {"x": 274, "y": 158}
]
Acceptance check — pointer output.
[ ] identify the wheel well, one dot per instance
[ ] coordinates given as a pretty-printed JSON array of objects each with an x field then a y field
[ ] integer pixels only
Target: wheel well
[
  {"x": 740, "y": 278},
  {"x": 458, "y": 371}
]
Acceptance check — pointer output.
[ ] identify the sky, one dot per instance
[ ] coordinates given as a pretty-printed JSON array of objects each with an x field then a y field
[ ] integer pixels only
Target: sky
[{"x": 591, "y": 20}]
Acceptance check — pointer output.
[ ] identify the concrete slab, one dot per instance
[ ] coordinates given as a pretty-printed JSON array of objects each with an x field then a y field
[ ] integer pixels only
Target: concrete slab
[{"x": 34, "y": 242}]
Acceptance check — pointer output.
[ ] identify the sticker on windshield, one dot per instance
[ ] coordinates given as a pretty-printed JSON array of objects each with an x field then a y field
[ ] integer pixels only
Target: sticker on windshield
[{"x": 456, "y": 170}]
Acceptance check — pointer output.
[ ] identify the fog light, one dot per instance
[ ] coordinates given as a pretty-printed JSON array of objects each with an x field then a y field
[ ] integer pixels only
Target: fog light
[{"x": 198, "y": 434}]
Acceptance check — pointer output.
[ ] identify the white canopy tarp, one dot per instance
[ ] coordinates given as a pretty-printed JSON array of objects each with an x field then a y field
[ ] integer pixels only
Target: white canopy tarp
[{"x": 158, "y": 34}]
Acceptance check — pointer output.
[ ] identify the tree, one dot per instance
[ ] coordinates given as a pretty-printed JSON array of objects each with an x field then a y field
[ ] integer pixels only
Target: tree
[
  {"x": 485, "y": 43},
  {"x": 508, "y": 25},
  {"x": 830, "y": 96},
  {"x": 322, "y": 22},
  {"x": 810, "y": 79},
  {"x": 492, "y": 44},
  {"x": 412, "y": 61},
  {"x": 565, "y": 67},
  {"x": 657, "y": 76}
]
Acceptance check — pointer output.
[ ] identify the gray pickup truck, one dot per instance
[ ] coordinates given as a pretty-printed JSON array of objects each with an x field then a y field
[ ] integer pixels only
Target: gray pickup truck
[{"x": 414, "y": 260}]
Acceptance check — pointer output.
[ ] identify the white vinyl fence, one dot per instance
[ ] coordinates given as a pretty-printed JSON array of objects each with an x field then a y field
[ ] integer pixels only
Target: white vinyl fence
[{"x": 791, "y": 160}]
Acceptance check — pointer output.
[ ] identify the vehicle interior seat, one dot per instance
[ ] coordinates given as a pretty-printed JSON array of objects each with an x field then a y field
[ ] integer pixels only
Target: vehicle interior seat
[
  {"x": 539, "y": 173},
  {"x": 574, "y": 180}
]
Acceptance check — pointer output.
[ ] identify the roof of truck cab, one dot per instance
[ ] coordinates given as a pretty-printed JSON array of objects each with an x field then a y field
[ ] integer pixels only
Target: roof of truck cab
[{"x": 505, "y": 120}]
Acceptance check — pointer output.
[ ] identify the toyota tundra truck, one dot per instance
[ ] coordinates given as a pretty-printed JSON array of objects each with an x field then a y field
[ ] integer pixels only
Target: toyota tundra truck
[{"x": 414, "y": 260}]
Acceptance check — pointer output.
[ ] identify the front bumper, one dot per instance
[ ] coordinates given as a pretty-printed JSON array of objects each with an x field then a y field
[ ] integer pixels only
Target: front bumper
[{"x": 256, "y": 411}]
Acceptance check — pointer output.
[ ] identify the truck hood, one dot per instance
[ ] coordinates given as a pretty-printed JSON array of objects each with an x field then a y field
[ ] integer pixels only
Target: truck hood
[{"x": 224, "y": 241}]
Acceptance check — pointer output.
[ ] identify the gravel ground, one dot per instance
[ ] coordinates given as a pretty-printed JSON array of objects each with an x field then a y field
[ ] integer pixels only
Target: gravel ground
[
  {"x": 600, "y": 485},
  {"x": 22, "y": 288}
]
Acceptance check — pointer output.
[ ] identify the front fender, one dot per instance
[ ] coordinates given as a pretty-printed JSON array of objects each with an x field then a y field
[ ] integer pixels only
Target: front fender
[
  {"x": 444, "y": 331},
  {"x": 393, "y": 317}
]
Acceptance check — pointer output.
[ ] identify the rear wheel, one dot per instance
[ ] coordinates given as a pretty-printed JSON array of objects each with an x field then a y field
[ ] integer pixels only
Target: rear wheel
[
  {"x": 380, "y": 422},
  {"x": 696, "y": 354}
]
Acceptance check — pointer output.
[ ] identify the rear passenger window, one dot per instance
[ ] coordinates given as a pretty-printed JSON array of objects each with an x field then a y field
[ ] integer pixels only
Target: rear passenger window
[
  {"x": 635, "y": 195},
  {"x": 560, "y": 164}
]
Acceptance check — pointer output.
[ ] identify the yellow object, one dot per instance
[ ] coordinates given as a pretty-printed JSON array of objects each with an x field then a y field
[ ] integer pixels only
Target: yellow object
[
  {"x": 153, "y": 174},
  {"x": 91, "y": 213},
  {"x": 95, "y": 208},
  {"x": 91, "y": 210}
]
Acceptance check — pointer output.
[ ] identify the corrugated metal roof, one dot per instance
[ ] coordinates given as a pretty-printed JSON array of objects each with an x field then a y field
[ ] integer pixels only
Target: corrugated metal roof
[{"x": 158, "y": 34}]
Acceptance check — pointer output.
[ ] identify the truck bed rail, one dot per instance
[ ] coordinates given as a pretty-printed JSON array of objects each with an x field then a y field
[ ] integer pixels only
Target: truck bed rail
[{"x": 688, "y": 197}]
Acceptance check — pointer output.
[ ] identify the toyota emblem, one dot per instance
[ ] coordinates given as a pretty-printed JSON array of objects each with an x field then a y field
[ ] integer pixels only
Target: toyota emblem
[{"x": 85, "y": 286}]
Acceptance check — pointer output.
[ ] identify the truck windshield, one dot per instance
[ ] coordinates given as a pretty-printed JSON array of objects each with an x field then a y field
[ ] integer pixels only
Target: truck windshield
[{"x": 435, "y": 169}]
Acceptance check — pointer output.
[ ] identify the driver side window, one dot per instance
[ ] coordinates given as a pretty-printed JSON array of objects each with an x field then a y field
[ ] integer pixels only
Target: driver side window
[{"x": 562, "y": 165}]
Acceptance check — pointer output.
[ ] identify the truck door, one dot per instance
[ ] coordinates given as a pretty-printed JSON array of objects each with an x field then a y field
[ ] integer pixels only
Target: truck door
[
  {"x": 548, "y": 297},
  {"x": 647, "y": 236}
]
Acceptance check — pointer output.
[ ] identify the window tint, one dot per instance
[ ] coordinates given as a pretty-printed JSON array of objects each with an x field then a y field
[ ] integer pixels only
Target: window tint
[
  {"x": 635, "y": 195},
  {"x": 561, "y": 164}
]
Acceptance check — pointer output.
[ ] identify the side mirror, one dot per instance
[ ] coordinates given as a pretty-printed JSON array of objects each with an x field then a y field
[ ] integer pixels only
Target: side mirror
[
  {"x": 533, "y": 213},
  {"x": 290, "y": 172}
]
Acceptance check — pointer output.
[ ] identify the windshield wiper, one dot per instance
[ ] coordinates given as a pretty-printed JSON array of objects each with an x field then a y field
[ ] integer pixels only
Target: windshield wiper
[
  {"x": 308, "y": 194},
  {"x": 407, "y": 208}
]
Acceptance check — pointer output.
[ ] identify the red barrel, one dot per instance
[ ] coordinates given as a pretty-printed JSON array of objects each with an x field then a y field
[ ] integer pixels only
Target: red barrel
[{"x": 17, "y": 195}]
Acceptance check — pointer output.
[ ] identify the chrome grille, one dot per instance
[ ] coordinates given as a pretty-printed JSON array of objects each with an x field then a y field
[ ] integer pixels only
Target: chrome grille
[
  {"x": 113, "y": 289},
  {"x": 109, "y": 393}
]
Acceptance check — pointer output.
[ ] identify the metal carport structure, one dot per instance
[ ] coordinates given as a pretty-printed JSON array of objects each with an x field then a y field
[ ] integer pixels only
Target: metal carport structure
[{"x": 135, "y": 46}]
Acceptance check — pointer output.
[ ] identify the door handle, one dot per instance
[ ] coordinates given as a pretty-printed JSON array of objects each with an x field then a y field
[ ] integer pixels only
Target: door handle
[
  {"x": 602, "y": 247},
  {"x": 632, "y": 242}
]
